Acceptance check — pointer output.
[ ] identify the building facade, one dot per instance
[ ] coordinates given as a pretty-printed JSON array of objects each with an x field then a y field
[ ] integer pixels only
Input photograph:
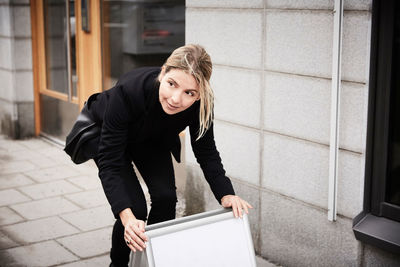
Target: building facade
[
  {"x": 272, "y": 78},
  {"x": 273, "y": 81}
]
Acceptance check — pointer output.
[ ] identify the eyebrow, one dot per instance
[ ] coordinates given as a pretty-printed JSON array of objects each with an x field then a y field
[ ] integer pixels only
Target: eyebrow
[{"x": 178, "y": 85}]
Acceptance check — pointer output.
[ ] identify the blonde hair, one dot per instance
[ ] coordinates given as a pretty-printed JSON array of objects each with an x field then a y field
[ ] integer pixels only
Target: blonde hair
[{"x": 194, "y": 59}]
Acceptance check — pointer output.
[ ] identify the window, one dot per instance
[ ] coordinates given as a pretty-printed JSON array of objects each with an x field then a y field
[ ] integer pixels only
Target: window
[{"x": 379, "y": 223}]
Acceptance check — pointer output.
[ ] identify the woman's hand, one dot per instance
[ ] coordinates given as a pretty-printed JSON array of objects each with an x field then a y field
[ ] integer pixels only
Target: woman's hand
[
  {"x": 134, "y": 231},
  {"x": 237, "y": 205}
]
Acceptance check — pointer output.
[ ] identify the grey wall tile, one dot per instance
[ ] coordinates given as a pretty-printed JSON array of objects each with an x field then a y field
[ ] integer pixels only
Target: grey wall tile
[
  {"x": 240, "y": 151},
  {"x": 350, "y": 191},
  {"x": 5, "y": 22},
  {"x": 353, "y": 116},
  {"x": 356, "y": 46},
  {"x": 23, "y": 54},
  {"x": 236, "y": 41},
  {"x": 24, "y": 85},
  {"x": 237, "y": 95},
  {"x": 6, "y": 58},
  {"x": 305, "y": 48},
  {"x": 21, "y": 16},
  {"x": 300, "y": 169},
  {"x": 297, "y": 106},
  {"x": 26, "y": 120},
  {"x": 305, "y": 232},
  {"x": 318, "y": 4},
  {"x": 6, "y": 86},
  {"x": 296, "y": 168},
  {"x": 225, "y": 3},
  {"x": 301, "y": 107}
]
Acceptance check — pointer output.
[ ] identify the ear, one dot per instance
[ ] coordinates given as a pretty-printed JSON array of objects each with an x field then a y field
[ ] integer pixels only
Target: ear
[{"x": 162, "y": 74}]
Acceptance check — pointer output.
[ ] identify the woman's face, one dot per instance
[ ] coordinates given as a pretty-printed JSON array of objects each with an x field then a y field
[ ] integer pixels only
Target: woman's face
[{"x": 178, "y": 91}]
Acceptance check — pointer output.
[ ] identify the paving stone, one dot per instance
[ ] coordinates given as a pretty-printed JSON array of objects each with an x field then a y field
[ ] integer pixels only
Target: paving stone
[
  {"x": 51, "y": 189},
  {"x": 50, "y": 151},
  {"x": 91, "y": 219},
  {"x": 6, "y": 242},
  {"x": 8, "y": 216},
  {"x": 25, "y": 154},
  {"x": 86, "y": 182},
  {"x": 88, "y": 167},
  {"x": 11, "y": 196},
  {"x": 43, "y": 162},
  {"x": 10, "y": 145},
  {"x": 51, "y": 174},
  {"x": 16, "y": 166},
  {"x": 39, "y": 230},
  {"x": 34, "y": 143},
  {"x": 89, "y": 199},
  {"x": 97, "y": 261},
  {"x": 88, "y": 244},
  {"x": 40, "y": 254},
  {"x": 14, "y": 180},
  {"x": 44, "y": 208}
]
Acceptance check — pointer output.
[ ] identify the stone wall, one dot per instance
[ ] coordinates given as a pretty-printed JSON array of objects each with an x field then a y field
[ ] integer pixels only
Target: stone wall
[
  {"x": 16, "y": 87},
  {"x": 272, "y": 80}
]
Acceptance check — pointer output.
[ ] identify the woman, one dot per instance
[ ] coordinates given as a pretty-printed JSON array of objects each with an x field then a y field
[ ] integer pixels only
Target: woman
[{"x": 141, "y": 118}]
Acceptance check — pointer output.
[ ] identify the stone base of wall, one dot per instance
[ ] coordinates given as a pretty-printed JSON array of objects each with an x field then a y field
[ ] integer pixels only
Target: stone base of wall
[
  {"x": 293, "y": 233},
  {"x": 23, "y": 125},
  {"x": 373, "y": 256}
]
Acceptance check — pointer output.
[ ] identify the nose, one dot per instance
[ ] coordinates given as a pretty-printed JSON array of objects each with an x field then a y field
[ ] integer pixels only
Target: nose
[{"x": 175, "y": 98}]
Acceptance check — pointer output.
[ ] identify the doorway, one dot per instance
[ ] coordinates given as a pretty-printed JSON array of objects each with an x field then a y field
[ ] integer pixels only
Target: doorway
[{"x": 82, "y": 47}]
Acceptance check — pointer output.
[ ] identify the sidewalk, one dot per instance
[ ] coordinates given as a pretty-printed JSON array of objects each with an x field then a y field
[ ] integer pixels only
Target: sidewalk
[{"x": 53, "y": 212}]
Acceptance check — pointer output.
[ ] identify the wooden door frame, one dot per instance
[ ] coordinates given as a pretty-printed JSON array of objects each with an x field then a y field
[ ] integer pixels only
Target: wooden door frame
[{"x": 88, "y": 57}]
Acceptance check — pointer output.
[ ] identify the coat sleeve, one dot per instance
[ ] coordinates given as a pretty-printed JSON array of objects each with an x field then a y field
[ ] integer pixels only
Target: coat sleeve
[
  {"x": 207, "y": 156},
  {"x": 112, "y": 148}
]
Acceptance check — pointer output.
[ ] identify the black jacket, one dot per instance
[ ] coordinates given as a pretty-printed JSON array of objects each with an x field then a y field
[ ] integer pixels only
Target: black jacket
[{"x": 131, "y": 115}]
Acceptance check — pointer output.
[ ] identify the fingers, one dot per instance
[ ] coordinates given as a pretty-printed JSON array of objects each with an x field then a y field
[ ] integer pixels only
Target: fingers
[
  {"x": 238, "y": 205},
  {"x": 135, "y": 237}
]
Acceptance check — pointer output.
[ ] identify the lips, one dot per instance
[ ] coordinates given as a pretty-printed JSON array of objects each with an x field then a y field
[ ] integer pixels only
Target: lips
[{"x": 171, "y": 106}]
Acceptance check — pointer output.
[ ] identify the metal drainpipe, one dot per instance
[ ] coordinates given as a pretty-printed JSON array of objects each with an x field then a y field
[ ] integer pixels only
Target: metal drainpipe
[{"x": 335, "y": 108}]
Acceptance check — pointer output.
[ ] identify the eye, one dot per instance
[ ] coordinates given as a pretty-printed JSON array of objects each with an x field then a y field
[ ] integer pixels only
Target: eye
[
  {"x": 191, "y": 93},
  {"x": 171, "y": 83}
]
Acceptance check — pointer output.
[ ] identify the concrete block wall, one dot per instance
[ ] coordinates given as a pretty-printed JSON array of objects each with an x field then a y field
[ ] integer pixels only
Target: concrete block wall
[
  {"x": 16, "y": 88},
  {"x": 272, "y": 81}
]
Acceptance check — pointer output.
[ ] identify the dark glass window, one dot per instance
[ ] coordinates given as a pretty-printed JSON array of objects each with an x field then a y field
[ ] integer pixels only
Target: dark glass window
[
  {"x": 379, "y": 222},
  {"x": 393, "y": 183}
]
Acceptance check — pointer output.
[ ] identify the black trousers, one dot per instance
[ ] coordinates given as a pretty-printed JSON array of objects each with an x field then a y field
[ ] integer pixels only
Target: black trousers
[{"x": 155, "y": 166}]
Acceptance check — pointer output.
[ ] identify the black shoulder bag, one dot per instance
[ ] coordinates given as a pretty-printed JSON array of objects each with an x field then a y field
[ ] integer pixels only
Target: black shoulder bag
[{"x": 85, "y": 131}]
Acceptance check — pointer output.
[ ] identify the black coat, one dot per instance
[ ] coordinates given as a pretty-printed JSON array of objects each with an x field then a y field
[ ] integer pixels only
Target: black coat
[{"x": 131, "y": 115}]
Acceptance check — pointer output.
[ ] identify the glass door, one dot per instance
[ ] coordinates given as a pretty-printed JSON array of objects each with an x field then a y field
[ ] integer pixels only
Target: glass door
[
  {"x": 67, "y": 62},
  {"x": 58, "y": 99}
]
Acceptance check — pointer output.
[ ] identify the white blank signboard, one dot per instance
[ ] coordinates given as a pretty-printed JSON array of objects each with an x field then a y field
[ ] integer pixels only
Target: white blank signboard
[{"x": 213, "y": 238}]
